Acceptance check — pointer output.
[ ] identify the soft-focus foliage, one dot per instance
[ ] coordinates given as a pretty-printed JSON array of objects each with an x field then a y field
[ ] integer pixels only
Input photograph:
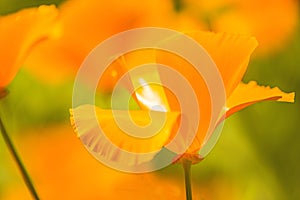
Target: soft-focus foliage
[{"x": 257, "y": 156}]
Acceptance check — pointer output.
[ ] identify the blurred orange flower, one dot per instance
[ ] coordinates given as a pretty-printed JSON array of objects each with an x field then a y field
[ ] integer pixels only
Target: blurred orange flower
[
  {"x": 87, "y": 23},
  {"x": 271, "y": 22},
  {"x": 231, "y": 53},
  {"x": 19, "y": 34},
  {"x": 61, "y": 169}
]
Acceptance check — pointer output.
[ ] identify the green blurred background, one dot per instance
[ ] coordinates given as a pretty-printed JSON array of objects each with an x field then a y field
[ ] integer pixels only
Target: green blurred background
[{"x": 256, "y": 157}]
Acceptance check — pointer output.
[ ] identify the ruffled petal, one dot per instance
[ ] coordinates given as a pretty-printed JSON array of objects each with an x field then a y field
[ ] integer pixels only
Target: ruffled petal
[
  {"x": 19, "y": 32},
  {"x": 113, "y": 139},
  {"x": 247, "y": 94}
]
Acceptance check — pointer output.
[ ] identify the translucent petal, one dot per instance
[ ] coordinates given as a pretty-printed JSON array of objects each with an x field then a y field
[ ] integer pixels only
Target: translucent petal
[
  {"x": 113, "y": 140},
  {"x": 19, "y": 33},
  {"x": 247, "y": 94}
]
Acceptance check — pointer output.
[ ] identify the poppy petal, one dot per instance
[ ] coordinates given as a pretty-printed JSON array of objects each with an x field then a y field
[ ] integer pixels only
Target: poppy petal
[
  {"x": 19, "y": 32},
  {"x": 247, "y": 94},
  {"x": 113, "y": 139},
  {"x": 230, "y": 52},
  {"x": 87, "y": 24},
  {"x": 145, "y": 79}
]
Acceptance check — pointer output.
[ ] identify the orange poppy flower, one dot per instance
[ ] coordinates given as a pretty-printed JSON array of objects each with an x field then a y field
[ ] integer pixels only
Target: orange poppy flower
[
  {"x": 231, "y": 53},
  {"x": 88, "y": 23},
  {"x": 271, "y": 22},
  {"x": 19, "y": 33}
]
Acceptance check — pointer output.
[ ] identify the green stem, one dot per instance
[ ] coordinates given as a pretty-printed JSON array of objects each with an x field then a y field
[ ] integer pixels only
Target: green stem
[
  {"x": 15, "y": 155},
  {"x": 187, "y": 178}
]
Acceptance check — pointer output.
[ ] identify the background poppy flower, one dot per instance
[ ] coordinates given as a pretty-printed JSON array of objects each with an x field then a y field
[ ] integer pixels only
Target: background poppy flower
[
  {"x": 88, "y": 23},
  {"x": 271, "y": 22},
  {"x": 20, "y": 33},
  {"x": 59, "y": 174}
]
